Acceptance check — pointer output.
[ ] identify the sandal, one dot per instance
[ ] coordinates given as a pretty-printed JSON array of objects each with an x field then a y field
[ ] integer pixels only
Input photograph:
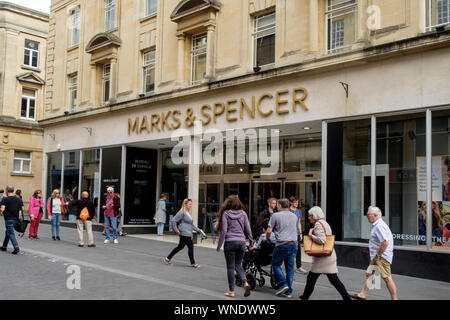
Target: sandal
[
  {"x": 167, "y": 261},
  {"x": 247, "y": 291},
  {"x": 229, "y": 294},
  {"x": 196, "y": 266}
]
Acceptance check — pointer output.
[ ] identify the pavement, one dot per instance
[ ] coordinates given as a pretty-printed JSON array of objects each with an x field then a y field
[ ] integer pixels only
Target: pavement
[{"x": 134, "y": 269}]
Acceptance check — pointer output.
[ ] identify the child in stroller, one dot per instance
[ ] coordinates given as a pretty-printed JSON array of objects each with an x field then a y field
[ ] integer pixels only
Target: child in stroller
[{"x": 255, "y": 259}]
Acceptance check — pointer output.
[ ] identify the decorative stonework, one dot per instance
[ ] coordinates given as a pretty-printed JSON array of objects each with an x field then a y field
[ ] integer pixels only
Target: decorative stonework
[
  {"x": 30, "y": 77},
  {"x": 260, "y": 5},
  {"x": 189, "y": 7}
]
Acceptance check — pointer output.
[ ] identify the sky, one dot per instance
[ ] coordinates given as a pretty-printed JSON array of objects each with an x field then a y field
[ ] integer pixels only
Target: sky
[{"x": 40, "y": 5}]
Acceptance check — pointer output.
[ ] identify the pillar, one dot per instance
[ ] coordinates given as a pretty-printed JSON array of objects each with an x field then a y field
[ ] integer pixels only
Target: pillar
[
  {"x": 93, "y": 82},
  {"x": 113, "y": 81},
  {"x": 313, "y": 26},
  {"x": 195, "y": 149},
  {"x": 210, "y": 56},
  {"x": 363, "y": 31},
  {"x": 180, "y": 71}
]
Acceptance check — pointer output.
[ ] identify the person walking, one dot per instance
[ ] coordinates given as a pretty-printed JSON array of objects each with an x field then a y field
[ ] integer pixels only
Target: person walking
[
  {"x": 161, "y": 213},
  {"x": 266, "y": 213},
  {"x": 85, "y": 214},
  {"x": 234, "y": 228},
  {"x": 19, "y": 193},
  {"x": 2, "y": 194},
  {"x": 55, "y": 209},
  {"x": 36, "y": 213},
  {"x": 298, "y": 258},
  {"x": 68, "y": 198},
  {"x": 112, "y": 207},
  {"x": 183, "y": 225},
  {"x": 10, "y": 206},
  {"x": 381, "y": 249},
  {"x": 284, "y": 224},
  {"x": 322, "y": 265}
]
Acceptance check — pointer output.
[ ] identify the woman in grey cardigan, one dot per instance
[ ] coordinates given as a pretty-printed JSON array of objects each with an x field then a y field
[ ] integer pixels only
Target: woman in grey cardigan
[
  {"x": 161, "y": 214},
  {"x": 183, "y": 224},
  {"x": 326, "y": 265}
]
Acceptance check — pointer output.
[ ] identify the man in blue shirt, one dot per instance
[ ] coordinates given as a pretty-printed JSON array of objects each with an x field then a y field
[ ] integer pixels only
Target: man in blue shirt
[{"x": 294, "y": 209}]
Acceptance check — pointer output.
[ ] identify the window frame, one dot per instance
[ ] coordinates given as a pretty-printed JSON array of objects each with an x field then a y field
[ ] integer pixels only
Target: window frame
[
  {"x": 73, "y": 88},
  {"x": 76, "y": 22},
  {"x": 21, "y": 171},
  {"x": 147, "y": 12},
  {"x": 332, "y": 12},
  {"x": 110, "y": 7},
  {"x": 147, "y": 66},
  {"x": 31, "y": 51},
  {"x": 197, "y": 51},
  {"x": 429, "y": 15},
  {"x": 28, "y": 98},
  {"x": 255, "y": 36},
  {"x": 106, "y": 77}
]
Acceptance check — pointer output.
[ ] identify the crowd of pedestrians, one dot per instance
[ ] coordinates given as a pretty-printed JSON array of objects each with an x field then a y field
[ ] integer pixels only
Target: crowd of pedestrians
[{"x": 280, "y": 224}]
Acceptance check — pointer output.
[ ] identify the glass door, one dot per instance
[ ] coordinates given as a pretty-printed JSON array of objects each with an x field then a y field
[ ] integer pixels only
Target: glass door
[
  {"x": 208, "y": 206},
  {"x": 242, "y": 190},
  {"x": 261, "y": 192}
]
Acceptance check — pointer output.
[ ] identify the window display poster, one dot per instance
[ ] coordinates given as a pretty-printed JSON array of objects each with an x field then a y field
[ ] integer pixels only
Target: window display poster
[{"x": 436, "y": 179}]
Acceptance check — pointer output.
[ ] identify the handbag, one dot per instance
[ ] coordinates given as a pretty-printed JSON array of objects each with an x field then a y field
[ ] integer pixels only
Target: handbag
[
  {"x": 21, "y": 226},
  {"x": 319, "y": 250},
  {"x": 63, "y": 209}
]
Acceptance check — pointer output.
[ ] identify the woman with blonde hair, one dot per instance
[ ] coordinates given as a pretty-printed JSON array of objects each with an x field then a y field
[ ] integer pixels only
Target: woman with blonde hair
[
  {"x": 55, "y": 209},
  {"x": 183, "y": 224}
]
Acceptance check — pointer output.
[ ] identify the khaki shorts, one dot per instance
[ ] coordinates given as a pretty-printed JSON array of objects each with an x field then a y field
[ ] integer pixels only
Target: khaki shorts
[{"x": 383, "y": 265}]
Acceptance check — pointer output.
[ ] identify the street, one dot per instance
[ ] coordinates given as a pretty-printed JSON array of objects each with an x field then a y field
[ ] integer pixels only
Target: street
[{"x": 134, "y": 269}]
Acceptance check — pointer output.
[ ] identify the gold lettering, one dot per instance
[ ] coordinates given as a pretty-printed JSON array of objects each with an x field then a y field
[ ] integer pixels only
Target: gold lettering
[
  {"x": 164, "y": 120},
  {"x": 144, "y": 124},
  {"x": 133, "y": 127},
  {"x": 301, "y": 100},
  {"x": 176, "y": 119},
  {"x": 281, "y": 102},
  {"x": 245, "y": 106},
  {"x": 155, "y": 123},
  {"x": 264, "y": 96},
  {"x": 218, "y": 113},
  {"x": 206, "y": 106},
  {"x": 230, "y": 110}
]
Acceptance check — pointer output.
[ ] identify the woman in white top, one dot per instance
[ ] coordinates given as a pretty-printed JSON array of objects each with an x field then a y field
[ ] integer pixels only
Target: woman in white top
[{"x": 55, "y": 208}]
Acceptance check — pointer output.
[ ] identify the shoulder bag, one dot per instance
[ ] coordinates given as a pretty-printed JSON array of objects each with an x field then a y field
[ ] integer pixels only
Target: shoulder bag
[{"x": 316, "y": 249}]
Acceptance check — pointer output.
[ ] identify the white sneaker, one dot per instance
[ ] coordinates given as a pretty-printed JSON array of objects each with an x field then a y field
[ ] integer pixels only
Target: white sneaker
[
  {"x": 301, "y": 270},
  {"x": 106, "y": 242},
  {"x": 116, "y": 241}
]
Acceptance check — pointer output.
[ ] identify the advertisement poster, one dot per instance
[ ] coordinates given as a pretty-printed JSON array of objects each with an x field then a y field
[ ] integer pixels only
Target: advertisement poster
[{"x": 111, "y": 172}]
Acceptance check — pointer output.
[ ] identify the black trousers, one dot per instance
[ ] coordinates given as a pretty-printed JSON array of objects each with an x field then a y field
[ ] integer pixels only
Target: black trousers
[
  {"x": 184, "y": 241},
  {"x": 298, "y": 257},
  {"x": 234, "y": 253},
  {"x": 334, "y": 280}
]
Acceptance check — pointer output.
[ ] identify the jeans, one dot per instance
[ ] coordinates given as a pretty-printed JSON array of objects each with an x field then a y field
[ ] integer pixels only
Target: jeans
[
  {"x": 234, "y": 253},
  {"x": 184, "y": 241},
  {"x": 9, "y": 234},
  {"x": 284, "y": 253},
  {"x": 56, "y": 220},
  {"x": 160, "y": 229},
  {"x": 298, "y": 258},
  {"x": 111, "y": 222},
  {"x": 334, "y": 280}
]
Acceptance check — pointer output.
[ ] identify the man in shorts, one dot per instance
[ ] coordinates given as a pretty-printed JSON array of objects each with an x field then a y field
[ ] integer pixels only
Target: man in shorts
[{"x": 381, "y": 245}]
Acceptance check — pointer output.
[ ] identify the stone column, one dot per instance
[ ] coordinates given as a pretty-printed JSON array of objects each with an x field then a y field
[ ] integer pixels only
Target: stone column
[
  {"x": 180, "y": 71},
  {"x": 210, "y": 55},
  {"x": 313, "y": 26},
  {"x": 363, "y": 32},
  {"x": 195, "y": 149},
  {"x": 113, "y": 80},
  {"x": 93, "y": 83}
]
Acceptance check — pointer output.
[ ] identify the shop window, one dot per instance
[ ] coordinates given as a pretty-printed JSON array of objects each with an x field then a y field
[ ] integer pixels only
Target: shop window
[
  {"x": 22, "y": 162},
  {"x": 198, "y": 58},
  {"x": 90, "y": 180},
  {"x": 53, "y": 172},
  {"x": 71, "y": 177},
  {"x": 73, "y": 90},
  {"x": 341, "y": 17},
  {"x": 264, "y": 40},
  {"x": 150, "y": 7},
  {"x": 75, "y": 34},
  {"x": 110, "y": 13},
  {"x": 106, "y": 80},
  {"x": 438, "y": 13},
  {"x": 302, "y": 155},
  {"x": 148, "y": 76},
  {"x": 31, "y": 54},
  {"x": 28, "y": 106}
]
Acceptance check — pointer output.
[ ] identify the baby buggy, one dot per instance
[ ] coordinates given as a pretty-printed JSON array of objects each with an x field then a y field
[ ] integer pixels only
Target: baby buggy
[{"x": 253, "y": 262}]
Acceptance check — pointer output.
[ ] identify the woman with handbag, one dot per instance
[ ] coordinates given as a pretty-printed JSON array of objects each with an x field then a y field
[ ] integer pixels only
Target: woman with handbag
[
  {"x": 36, "y": 212},
  {"x": 234, "y": 228},
  {"x": 322, "y": 264},
  {"x": 56, "y": 207},
  {"x": 183, "y": 224}
]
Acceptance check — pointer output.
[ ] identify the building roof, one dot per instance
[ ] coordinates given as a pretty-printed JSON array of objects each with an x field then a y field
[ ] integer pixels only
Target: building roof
[{"x": 5, "y": 5}]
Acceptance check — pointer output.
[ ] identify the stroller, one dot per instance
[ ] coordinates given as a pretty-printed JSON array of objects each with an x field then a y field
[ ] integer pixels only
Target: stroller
[{"x": 253, "y": 262}]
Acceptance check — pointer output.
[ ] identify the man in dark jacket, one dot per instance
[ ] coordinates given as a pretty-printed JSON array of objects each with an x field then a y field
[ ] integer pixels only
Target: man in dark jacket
[
  {"x": 266, "y": 213},
  {"x": 10, "y": 207},
  {"x": 85, "y": 214}
]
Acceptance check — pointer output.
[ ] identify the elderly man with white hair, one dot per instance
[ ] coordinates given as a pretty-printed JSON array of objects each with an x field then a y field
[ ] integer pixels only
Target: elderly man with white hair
[
  {"x": 112, "y": 207},
  {"x": 381, "y": 248}
]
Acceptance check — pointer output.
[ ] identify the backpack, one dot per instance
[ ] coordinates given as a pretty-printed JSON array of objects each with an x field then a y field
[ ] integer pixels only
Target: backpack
[{"x": 84, "y": 214}]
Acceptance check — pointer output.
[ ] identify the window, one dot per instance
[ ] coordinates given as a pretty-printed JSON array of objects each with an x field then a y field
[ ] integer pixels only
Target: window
[
  {"x": 73, "y": 91},
  {"x": 28, "y": 107},
  {"x": 341, "y": 18},
  {"x": 264, "y": 40},
  {"x": 71, "y": 157},
  {"x": 438, "y": 13},
  {"x": 22, "y": 162},
  {"x": 110, "y": 12},
  {"x": 31, "y": 54},
  {"x": 150, "y": 7},
  {"x": 149, "y": 71},
  {"x": 198, "y": 58},
  {"x": 75, "y": 36},
  {"x": 106, "y": 77}
]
